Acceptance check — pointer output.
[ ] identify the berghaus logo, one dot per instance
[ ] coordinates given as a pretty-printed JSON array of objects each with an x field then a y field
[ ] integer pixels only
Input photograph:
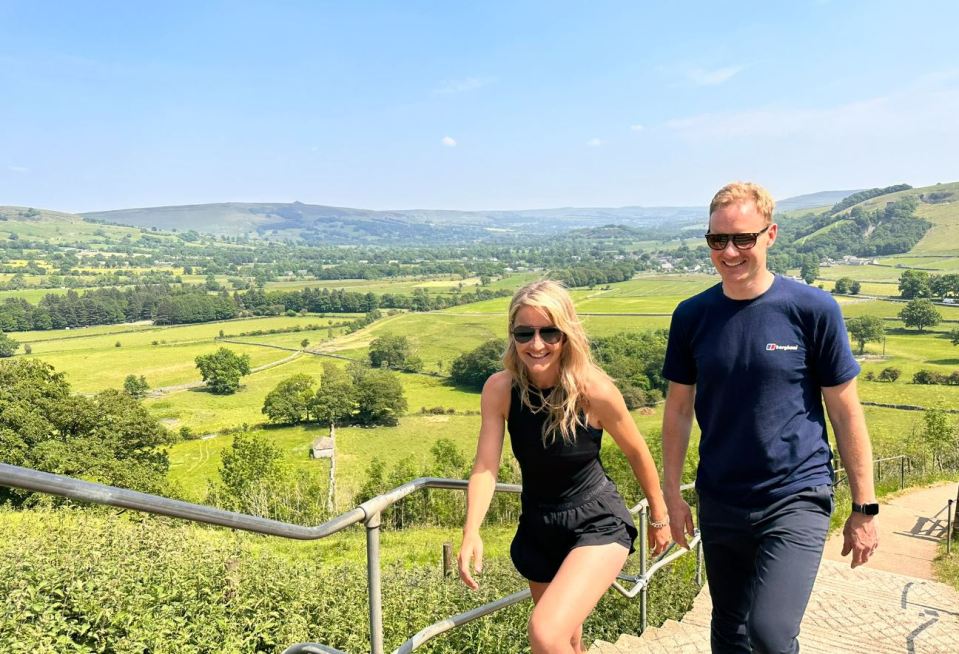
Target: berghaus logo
[{"x": 774, "y": 347}]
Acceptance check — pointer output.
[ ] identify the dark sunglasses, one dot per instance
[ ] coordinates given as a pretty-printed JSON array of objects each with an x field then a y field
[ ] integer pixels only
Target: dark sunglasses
[
  {"x": 550, "y": 335},
  {"x": 742, "y": 241}
]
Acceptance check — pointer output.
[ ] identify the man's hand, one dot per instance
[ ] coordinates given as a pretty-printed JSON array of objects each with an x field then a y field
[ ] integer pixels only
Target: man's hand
[
  {"x": 680, "y": 520},
  {"x": 861, "y": 537}
]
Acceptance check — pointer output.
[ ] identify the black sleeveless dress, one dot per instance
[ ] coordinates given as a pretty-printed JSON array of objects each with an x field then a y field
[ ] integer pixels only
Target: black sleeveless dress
[{"x": 568, "y": 501}]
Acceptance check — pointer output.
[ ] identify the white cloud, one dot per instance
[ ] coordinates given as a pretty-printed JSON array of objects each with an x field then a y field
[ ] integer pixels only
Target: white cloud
[
  {"x": 714, "y": 77},
  {"x": 462, "y": 85},
  {"x": 449, "y": 141},
  {"x": 594, "y": 143},
  {"x": 636, "y": 128},
  {"x": 18, "y": 169}
]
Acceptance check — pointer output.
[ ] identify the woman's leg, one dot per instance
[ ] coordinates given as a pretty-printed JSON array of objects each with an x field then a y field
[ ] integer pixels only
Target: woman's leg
[
  {"x": 537, "y": 589},
  {"x": 563, "y": 605}
]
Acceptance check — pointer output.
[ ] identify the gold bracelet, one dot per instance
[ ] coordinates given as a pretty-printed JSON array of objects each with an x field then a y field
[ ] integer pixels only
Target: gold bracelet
[{"x": 659, "y": 525}]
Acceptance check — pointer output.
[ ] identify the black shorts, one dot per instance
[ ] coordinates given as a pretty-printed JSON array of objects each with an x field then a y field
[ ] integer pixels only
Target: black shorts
[{"x": 547, "y": 533}]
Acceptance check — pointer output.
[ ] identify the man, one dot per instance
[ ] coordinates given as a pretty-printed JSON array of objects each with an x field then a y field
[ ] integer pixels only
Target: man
[{"x": 755, "y": 356}]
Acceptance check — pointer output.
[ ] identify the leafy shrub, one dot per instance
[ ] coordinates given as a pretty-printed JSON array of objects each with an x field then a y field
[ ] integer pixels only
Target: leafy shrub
[
  {"x": 928, "y": 377},
  {"x": 889, "y": 374},
  {"x": 91, "y": 581}
]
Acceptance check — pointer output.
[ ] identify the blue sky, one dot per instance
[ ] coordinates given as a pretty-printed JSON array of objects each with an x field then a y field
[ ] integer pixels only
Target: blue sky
[{"x": 483, "y": 105}]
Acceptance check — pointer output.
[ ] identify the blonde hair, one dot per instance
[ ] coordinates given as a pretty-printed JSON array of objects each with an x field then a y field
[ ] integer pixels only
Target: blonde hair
[
  {"x": 738, "y": 192},
  {"x": 565, "y": 404}
]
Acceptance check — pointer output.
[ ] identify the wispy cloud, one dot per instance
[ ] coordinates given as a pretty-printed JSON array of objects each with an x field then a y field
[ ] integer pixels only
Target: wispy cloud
[
  {"x": 449, "y": 141},
  {"x": 18, "y": 169},
  {"x": 450, "y": 87},
  {"x": 636, "y": 128},
  {"x": 924, "y": 109},
  {"x": 594, "y": 142},
  {"x": 712, "y": 77}
]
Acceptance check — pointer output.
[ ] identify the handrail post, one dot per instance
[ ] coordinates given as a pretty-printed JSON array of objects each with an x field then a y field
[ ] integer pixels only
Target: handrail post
[
  {"x": 699, "y": 553},
  {"x": 643, "y": 528},
  {"x": 374, "y": 582},
  {"x": 902, "y": 472},
  {"x": 949, "y": 527}
]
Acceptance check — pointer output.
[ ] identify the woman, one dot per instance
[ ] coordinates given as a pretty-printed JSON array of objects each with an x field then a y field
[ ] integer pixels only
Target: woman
[{"x": 574, "y": 532}]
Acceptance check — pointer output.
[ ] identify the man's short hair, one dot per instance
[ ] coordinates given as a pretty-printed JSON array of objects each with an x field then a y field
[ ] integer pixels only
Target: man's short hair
[{"x": 738, "y": 192}]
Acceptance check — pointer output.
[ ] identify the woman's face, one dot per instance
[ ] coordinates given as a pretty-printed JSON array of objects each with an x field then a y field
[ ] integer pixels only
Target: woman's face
[{"x": 542, "y": 359}]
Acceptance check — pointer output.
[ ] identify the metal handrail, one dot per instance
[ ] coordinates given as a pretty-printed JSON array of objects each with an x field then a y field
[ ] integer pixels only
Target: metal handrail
[
  {"x": 877, "y": 465},
  {"x": 368, "y": 512}
]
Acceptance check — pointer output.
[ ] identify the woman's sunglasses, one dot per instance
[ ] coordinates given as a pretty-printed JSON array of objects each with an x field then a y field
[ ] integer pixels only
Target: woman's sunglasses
[
  {"x": 742, "y": 241},
  {"x": 550, "y": 335}
]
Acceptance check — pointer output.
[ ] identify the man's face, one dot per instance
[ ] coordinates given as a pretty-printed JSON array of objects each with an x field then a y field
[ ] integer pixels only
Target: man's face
[{"x": 741, "y": 268}]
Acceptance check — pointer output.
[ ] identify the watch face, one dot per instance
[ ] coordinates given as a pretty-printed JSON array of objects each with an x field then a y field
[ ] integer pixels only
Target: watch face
[{"x": 866, "y": 509}]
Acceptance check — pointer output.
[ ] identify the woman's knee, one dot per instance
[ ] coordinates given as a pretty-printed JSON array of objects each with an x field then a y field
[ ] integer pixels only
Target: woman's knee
[{"x": 546, "y": 635}]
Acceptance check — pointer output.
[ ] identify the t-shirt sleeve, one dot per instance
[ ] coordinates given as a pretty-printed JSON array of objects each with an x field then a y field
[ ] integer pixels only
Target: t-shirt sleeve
[
  {"x": 833, "y": 356},
  {"x": 679, "y": 365}
]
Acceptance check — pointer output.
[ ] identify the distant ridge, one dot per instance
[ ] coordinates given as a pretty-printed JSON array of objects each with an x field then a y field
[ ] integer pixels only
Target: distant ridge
[
  {"x": 318, "y": 223},
  {"x": 811, "y": 200}
]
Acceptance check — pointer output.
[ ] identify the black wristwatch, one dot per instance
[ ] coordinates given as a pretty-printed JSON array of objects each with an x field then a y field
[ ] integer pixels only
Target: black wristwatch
[{"x": 866, "y": 509}]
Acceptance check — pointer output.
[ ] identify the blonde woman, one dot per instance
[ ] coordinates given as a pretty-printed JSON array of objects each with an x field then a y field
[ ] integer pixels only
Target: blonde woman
[{"x": 574, "y": 532}]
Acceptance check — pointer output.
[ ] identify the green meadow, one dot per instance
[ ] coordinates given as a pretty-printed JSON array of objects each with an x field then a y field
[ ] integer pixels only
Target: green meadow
[{"x": 92, "y": 360}]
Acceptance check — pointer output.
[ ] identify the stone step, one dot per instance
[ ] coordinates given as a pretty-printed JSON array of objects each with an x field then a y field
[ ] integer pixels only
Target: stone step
[{"x": 850, "y": 611}]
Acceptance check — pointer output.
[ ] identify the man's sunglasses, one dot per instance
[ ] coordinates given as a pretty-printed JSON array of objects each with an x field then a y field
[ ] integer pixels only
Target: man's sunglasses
[
  {"x": 742, "y": 241},
  {"x": 551, "y": 335}
]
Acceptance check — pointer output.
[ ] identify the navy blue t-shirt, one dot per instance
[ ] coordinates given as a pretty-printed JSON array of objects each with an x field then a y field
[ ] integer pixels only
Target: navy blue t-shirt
[{"x": 758, "y": 366}]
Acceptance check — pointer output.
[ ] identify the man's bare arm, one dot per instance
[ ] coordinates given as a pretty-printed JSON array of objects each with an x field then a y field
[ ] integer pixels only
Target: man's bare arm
[
  {"x": 677, "y": 425},
  {"x": 860, "y": 534}
]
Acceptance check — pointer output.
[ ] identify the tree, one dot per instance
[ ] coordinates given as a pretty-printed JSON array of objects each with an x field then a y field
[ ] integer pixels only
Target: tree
[
  {"x": 250, "y": 460},
  {"x": 842, "y": 286},
  {"x": 108, "y": 438},
  {"x": 379, "y": 396},
  {"x": 389, "y": 351},
  {"x": 136, "y": 387},
  {"x": 473, "y": 368},
  {"x": 289, "y": 402},
  {"x": 940, "y": 438},
  {"x": 864, "y": 329},
  {"x": 8, "y": 346},
  {"x": 855, "y": 287},
  {"x": 920, "y": 314},
  {"x": 223, "y": 369},
  {"x": 810, "y": 268},
  {"x": 914, "y": 284},
  {"x": 334, "y": 401}
]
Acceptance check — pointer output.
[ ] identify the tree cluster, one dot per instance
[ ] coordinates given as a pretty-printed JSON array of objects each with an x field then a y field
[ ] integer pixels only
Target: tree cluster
[
  {"x": 847, "y": 286},
  {"x": 109, "y": 437},
  {"x": 394, "y": 352},
  {"x": 635, "y": 362},
  {"x": 919, "y": 284},
  {"x": 359, "y": 395}
]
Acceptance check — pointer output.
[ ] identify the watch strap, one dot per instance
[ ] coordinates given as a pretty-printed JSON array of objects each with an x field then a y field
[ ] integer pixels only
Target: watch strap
[{"x": 866, "y": 509}]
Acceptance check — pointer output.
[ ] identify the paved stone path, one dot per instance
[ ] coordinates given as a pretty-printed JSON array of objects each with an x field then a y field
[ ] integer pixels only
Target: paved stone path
[
  {"x": 871, "y": 609},
  {"x": 911, "y": 526}
]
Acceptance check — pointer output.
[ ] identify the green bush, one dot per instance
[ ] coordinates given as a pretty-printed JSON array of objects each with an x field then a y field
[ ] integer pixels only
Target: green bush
[{"x": 89, "y": 581}]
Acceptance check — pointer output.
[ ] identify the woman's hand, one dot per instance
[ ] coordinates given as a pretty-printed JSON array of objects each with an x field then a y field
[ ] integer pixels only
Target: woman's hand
[
  {"x": 471, "y": 552},
  {"x": 659, "y": 539}
]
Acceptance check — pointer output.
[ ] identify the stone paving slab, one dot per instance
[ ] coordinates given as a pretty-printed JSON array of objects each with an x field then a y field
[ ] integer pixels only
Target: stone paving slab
[{"x": 875, "y": 609}]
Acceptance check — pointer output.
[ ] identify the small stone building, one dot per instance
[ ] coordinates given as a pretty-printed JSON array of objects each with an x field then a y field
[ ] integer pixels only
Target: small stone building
[{"x": 322, "y": 448}]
